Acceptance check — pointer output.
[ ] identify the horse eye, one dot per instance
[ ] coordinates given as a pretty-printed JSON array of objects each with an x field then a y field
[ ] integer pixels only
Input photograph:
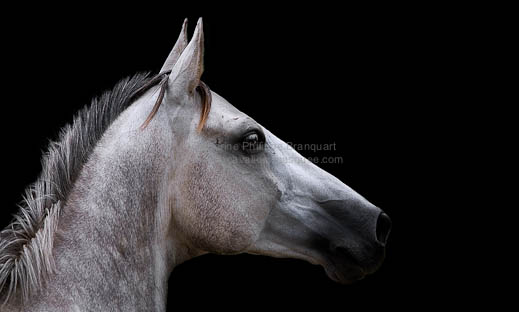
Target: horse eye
[
  {"x": 252, "y": 142},
  {"x": 252, "y": 138}
]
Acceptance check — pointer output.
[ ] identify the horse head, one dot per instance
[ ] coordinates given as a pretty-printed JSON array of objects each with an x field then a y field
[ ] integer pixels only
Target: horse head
[{"x": 234, "y": 187}]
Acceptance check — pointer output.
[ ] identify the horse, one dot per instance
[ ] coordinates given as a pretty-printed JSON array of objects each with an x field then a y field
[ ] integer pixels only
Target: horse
[{"x": 161, "y": 170}]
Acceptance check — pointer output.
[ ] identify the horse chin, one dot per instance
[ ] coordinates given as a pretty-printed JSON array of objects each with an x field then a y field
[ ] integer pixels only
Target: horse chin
[
  {"x": 343, "y": 275},
  {"x": 343, "y": 268}
]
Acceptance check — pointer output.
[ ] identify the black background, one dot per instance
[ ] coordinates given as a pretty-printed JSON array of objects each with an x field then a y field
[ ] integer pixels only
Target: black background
[{"x": 372, "y": 79}]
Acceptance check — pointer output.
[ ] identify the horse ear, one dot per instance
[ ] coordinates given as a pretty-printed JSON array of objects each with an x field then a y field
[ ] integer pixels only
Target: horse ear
[
  {"x": 187, "y": 71},
  {"x": 177, "y": 50}
]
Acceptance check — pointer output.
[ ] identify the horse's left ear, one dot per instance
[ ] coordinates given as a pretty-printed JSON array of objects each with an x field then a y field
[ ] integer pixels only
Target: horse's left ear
[
  {"x": 185, "y": 75},
  {"x": 177, "y": 50}
]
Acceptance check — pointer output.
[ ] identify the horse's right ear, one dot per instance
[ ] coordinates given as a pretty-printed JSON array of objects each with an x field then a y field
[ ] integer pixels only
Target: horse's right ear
[
  {"x": 185, "y": 75},
  {"x": 177, "y": 50}
]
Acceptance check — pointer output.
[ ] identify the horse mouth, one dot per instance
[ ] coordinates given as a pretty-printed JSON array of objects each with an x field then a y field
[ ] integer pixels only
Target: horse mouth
[{"x": 344, "y": 268}]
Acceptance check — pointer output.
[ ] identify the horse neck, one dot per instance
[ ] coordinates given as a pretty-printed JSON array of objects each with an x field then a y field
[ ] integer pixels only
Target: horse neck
[{"x": 109, "y": 249}]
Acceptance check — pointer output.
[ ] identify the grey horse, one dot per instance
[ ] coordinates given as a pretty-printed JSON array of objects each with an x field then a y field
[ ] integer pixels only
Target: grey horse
[{"x": 161, "y": 170}]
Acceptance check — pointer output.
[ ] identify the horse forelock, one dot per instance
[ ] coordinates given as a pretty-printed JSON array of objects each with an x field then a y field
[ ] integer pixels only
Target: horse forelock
[{"x": 162, "y": 80}]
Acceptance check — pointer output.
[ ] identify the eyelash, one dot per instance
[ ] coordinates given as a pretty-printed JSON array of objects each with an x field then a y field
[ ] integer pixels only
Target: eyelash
[{"x": 252, "y": 142}]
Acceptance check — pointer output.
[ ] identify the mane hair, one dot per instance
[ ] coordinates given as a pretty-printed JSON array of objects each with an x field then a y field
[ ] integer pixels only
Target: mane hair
[{"x": 26, "y": 244}]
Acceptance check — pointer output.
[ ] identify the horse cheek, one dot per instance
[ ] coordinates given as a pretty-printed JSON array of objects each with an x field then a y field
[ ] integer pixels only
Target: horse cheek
[{"x": 211, "y": 213}]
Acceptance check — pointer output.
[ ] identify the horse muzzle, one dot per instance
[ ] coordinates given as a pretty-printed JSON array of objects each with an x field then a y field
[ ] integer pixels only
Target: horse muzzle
[{"x": 346, "y": 263}]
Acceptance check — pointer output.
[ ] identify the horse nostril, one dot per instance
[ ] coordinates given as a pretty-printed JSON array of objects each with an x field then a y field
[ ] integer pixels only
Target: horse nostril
[{"x": 383, "y": 228}]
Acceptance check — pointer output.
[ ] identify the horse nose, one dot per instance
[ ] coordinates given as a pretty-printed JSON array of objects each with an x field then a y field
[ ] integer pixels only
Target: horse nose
[{"x": 383, "y": 228}]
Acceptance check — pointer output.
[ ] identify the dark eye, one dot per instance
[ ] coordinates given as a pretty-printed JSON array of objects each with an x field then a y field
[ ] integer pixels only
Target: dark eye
[{"x": 253, "y": 142}]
